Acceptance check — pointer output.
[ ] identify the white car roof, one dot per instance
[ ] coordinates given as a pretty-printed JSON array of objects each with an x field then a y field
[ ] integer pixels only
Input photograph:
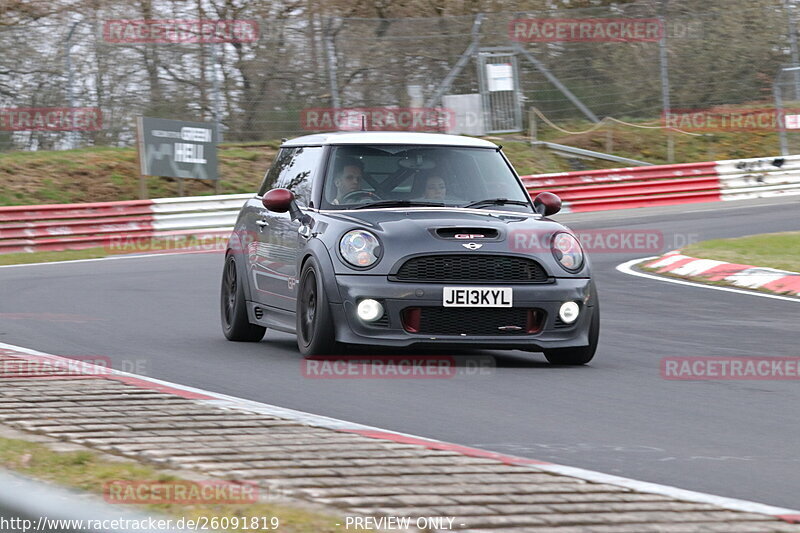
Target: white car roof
[{"x": 388, "y": 137}]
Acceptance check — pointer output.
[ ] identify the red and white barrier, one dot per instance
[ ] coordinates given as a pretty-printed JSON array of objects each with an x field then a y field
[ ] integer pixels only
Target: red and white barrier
[
  {"x": 79, "y": 226},
  {"x": 624, "y": 188}
]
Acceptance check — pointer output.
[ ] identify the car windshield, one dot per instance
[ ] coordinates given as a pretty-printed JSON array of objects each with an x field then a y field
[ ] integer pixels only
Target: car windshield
[{"x": 383, "y": 176}]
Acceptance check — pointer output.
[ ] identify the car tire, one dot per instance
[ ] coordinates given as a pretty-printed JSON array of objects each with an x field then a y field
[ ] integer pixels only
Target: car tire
[
  {"x": 582, "y": 354},
  {"x": 315, "y": 330},
  {"x": 233, "y": 309}
]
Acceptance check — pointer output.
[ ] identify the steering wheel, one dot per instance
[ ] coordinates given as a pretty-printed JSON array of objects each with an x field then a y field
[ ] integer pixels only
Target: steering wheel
[{"x": 359, "y": 196}]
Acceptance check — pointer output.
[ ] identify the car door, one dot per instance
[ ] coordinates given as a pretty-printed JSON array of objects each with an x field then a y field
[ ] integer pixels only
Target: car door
[
  {"x": 259, "y": 236},
  {"x": 279, "y": 241}
]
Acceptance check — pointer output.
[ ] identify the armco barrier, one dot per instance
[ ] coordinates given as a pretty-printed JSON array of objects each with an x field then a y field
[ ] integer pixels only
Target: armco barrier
[
  {"x": 78, "y": 226},
  {"x": 622, "y": 188}
]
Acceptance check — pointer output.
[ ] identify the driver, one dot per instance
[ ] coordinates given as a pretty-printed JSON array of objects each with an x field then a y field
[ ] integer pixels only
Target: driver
[{"x": 348, "y": 179}]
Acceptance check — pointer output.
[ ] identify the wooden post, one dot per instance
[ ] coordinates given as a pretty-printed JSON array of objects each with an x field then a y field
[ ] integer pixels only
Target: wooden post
[{"x": 140, "y": 155}]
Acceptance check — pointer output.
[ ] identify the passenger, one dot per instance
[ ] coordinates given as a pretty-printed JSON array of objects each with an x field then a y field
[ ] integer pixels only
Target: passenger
[{"x": 435, "y": 189}]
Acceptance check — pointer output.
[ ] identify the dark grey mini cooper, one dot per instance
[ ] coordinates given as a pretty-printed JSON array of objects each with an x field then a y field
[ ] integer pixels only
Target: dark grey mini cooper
[{"x": 406, "y": 240}]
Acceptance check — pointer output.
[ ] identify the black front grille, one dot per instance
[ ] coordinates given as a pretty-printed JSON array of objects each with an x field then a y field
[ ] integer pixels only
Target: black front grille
[
  {"x": 479, "y": 321},
  {"x": 560, "y": 324},
  {"x": 382, "y": 322},
  {"x": 475, "y": 267}
]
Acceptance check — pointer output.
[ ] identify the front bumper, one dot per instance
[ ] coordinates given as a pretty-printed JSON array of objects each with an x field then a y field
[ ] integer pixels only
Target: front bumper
[{"x": 397, "y": 296}]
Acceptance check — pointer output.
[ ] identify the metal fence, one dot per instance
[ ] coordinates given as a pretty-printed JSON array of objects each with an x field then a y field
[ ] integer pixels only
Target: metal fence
[{"x": 299, "y": 57}]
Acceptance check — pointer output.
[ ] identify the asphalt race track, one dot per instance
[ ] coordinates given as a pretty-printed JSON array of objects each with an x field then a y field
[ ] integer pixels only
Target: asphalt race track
[{"x": 159, "y": 316}]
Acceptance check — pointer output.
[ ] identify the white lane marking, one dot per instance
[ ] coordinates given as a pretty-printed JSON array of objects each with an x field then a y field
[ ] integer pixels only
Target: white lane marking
[
  {"x": 666, "y": 490},
  {"x": 626, "y": 268},
  {"x": 111, "y": 258},
  {"x": 241, "y": 404}
]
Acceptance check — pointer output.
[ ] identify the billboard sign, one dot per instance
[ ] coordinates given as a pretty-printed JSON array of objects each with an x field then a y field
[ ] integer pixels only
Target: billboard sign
[{"x": 177, "y": 149}]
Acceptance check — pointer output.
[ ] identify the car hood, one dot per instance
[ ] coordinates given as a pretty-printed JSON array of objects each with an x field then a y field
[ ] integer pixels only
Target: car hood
[{"x": 406, "y": 232}]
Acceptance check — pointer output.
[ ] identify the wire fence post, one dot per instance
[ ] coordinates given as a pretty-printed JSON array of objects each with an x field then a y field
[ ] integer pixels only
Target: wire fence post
[
  {"x": 793, "y": 45},
  {"x": 777, "y": 93},
  {"x": 445, "y": 85},
  {"x": 666, "y": 105},
  {"x": 215, "y": 103}
]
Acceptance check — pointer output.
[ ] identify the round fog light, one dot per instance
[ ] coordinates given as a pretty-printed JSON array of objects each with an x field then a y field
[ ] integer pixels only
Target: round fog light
[
  {"x": 569, "y": 312},
  {"x": 369, "y": 310}
]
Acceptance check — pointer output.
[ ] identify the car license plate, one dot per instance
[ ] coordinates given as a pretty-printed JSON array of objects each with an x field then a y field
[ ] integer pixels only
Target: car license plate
[{"x": 477, "y": 297}]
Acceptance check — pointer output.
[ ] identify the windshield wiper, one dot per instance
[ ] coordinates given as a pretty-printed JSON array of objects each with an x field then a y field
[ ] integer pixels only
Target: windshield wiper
[
  {"x": 497, "y": 201},
  {"x": 399, "y": 203}
]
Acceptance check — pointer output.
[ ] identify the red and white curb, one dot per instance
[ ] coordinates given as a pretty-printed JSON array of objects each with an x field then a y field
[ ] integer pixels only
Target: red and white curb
[
  {"x": 629, "y": 268},
  {"x": 745, "y": 276},
  {"x": 241, "y": 404}
]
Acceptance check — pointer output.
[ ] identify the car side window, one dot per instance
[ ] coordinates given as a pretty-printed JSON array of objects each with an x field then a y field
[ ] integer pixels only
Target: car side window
[
  {"x": 298, "y": 170},
  {"x": 283, "y": 158}
]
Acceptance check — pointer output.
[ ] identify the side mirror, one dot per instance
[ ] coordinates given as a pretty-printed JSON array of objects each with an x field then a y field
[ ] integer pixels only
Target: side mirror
[
  {"x": 281, "y": 201},
  {"x": 278, "y": 200},
  {"x": 546, "y": 204}
]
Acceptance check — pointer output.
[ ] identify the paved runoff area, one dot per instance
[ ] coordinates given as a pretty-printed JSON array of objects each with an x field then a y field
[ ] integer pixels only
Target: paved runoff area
[{"x": 375, "y": 480}]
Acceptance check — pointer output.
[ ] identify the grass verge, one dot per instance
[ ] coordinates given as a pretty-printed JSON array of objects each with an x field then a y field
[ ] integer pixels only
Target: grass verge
[
  {"x": 772, "y": 250},
  {"x": 124, "y": 247},
  {"x": 88, "y": 471},
  {"x": 23, "y": 258}
]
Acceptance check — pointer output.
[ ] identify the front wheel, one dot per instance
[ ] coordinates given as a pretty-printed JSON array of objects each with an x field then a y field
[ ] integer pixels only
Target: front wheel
[
  {"x": 233, "y": 309},
  {"x": 582, "y": 354},
  {"x": 315, "y": 331}
]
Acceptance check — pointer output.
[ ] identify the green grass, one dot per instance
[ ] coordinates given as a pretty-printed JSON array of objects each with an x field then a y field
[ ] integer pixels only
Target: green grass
[
  {"x": 650, "y": 145},
  {"x": 104, "y": 174},
  {"x": 131, "y": 246},
  {"x": 48, "y": 257},
  {"x": 773, "y": 250},
  {"x": 88, "y": 471}
]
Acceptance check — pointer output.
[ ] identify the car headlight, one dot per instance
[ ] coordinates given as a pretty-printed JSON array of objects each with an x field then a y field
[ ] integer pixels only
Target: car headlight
[
  {"x": 567, "y": 251},
  {"x": 360, "y": 248}
]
